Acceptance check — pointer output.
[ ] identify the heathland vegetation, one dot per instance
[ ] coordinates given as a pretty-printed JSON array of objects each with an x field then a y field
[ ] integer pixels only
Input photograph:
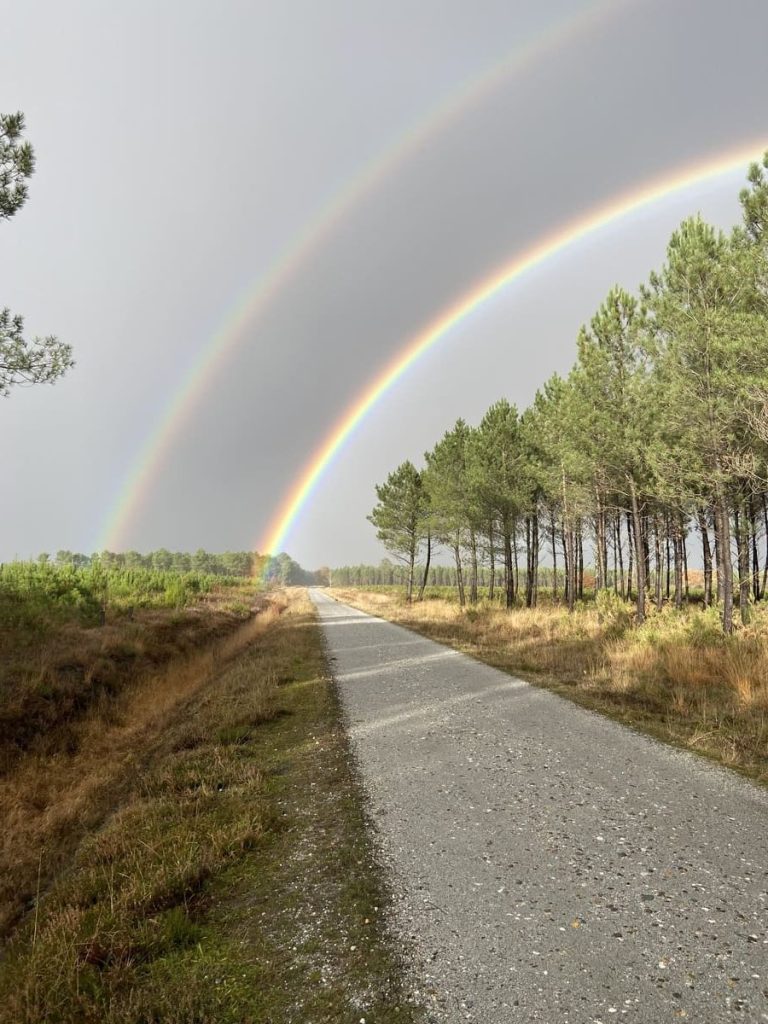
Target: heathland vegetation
[
  {"x": 183, "y": 838},
  {"x": 603, "y": 539},
  {"x": 40, "y": 596}
]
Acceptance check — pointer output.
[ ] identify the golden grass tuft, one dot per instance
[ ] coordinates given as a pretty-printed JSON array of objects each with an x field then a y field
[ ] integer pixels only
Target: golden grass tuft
[{"x": 745, "y": 671}]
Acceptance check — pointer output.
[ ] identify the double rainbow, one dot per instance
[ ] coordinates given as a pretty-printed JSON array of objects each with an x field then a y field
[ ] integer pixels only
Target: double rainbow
[
  {"x": 575, "y": 231},
  {"x": 195, "y": 382}
]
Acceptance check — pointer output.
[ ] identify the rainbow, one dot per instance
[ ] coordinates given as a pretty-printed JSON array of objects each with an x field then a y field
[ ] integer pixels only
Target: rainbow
[
  {"x": 575, "y": 231},
  {"x": 252, "y": 303}
]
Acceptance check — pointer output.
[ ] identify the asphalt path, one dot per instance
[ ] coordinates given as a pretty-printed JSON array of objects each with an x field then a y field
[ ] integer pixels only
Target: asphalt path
[{"x": 548, "y": 864}]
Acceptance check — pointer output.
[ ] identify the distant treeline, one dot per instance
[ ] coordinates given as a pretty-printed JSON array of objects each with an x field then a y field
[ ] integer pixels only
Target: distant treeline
[
  {"x": 659, "y": 431},
  {"x": 388, "y": 574},
  {"x": 279, "y": 568}
]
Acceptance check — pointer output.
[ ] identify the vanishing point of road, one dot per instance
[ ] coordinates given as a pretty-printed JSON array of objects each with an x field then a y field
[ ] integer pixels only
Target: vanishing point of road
[{"x": 548, "y": 864}]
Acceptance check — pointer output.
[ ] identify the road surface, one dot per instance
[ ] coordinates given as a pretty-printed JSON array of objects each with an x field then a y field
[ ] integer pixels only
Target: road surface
[{"x": 549, "y": 864}]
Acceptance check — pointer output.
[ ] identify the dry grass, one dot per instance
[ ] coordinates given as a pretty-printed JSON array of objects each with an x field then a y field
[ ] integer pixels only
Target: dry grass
[
  {"x": 675, "y": 677},
  {"x": 215, "y": 866},
  {"x": 49, "y": 682},
  {"x": 80, "y": 767}
]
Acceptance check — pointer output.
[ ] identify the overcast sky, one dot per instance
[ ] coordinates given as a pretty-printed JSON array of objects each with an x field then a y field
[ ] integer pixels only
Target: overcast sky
[{"x": 181, "y": 146}]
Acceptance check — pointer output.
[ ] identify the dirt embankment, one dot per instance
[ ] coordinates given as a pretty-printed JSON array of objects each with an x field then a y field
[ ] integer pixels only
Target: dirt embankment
[
  {"x": 49, "y": 683},
  {"x": 78, "y": 725}
]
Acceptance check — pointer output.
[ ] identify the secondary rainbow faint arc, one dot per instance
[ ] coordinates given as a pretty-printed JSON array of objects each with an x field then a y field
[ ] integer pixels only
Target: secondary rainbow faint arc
[
  {"x": 159, "y": 440},
  {"x": 576, "y": 230}
]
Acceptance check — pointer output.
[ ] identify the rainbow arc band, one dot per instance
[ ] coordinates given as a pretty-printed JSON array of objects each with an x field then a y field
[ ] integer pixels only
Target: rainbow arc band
[
  {"x": 194, "y": 383},
  {"x": 562, "y": 238}
]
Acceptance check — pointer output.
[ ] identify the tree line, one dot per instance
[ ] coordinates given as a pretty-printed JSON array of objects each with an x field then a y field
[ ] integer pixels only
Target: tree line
[
  {"x": 280, "y": 568},
  {"x": 658, "y": 433},
  {"x": 388, "y": 574}
]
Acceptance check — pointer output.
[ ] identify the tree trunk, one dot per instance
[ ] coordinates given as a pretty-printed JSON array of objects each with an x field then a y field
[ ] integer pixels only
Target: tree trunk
[
  {"x": 718, "y": 573},
  {"x": 596, "y": 531},
  {"x": 411, "y": 574},
  {"x": 630, "y": 555},
  {"x": 569, "y": 553},
  {"x": 571, "y": 567},
  {"x": 639, "y": 552},
  {"x": 459, "y": 575},
  {"x": 685, "y": 567},
  {"x": 620, "y": 552},
  {"x": 666, "y": 539},
  {"x": 492, "y": 560},
  {"x": 686, "y": 582},
  {"x": 659, "y": 568},
  {"x": 646, "y": 533},
  {"x": 508, "y": 577},
  {"x": 515, "y": 565},
  {"x": 528, "y": 576},
  {"x": 553, "y": 542},
  {"x": 601, "y": 546},
  {"x": 568, "y": 589},
  {"x": 742, "y": 555},
  {"x": 473, "y": 567},
  {"x": 724, "y": 564},
  {"x": 755, "y": 552},
  {"x": 677, "y": 542},
  {"x": 425, "y": 577},
  {"x": 535, "y": 566},
  {"x": 707, "y": 556}
]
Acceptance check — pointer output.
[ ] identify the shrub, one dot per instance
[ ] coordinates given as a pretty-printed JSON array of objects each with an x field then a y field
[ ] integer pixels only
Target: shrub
[{"x": 613, "y": 612}]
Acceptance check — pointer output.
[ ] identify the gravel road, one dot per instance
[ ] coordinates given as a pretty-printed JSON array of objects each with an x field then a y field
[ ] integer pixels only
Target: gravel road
[{"x": 547, "y": 863}]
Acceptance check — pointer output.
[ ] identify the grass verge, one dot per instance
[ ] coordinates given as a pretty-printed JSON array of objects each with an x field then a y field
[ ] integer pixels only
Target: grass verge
[
  {"x": 54, "y": 676},
  {"x": 676, "y": 678},
  {"x": 68, "y": 766},
  {"x": 235, "y": 882}
]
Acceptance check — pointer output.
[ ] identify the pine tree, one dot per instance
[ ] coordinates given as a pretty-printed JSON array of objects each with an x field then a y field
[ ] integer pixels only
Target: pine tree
[
  {"x": 401, "y": 517},
  {"x": 22, "y": 362}
]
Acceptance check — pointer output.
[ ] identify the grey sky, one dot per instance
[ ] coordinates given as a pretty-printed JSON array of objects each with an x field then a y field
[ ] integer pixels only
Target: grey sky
[{"x": 182, "y": 145}]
